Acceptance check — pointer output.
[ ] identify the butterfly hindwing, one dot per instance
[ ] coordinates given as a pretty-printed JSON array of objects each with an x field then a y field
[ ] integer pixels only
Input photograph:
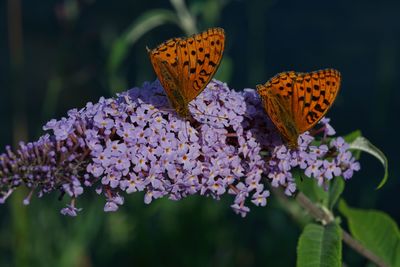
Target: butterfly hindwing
[
  {"x": 277, "y": 96},
  {"x": 170, "y": 83},
  {"x": 282, "y": 118},
  {"x": 165, "y": 60}
]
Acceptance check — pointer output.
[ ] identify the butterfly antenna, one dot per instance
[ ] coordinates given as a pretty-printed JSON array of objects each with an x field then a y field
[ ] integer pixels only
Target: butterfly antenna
[{"x": 209, "y": 115}]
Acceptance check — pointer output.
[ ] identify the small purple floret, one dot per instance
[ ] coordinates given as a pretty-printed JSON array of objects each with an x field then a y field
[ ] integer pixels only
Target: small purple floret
[{"x": 135, "y": 143}]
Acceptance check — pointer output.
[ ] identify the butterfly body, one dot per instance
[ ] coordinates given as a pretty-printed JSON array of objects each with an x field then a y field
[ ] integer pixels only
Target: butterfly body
[
  {"x": 295, "y": 102},
  {"x": 184, "y": 66}
]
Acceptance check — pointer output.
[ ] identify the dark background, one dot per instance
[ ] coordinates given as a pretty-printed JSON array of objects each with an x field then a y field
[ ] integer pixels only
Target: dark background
[{"x": 55, "y": 55}]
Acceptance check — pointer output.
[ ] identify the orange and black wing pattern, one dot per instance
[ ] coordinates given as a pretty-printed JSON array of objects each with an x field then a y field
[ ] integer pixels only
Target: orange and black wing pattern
[
  {"x": 184, "y": 66},
  {"x": 295, "y": 102}
]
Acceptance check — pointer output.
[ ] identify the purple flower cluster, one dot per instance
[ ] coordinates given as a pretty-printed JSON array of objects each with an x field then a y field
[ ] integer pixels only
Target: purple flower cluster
[
  {"x": 322, "y": 162},
  {"x": 136, "y": 143}
]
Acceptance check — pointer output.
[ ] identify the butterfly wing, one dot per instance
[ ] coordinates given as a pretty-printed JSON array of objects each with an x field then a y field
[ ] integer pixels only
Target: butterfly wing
[
  {"x": 277, "y": 95},
  {"x": 165, "y": 62},
  {"x": 295, "y": 102},
  {"x": 185, "y": 66},
  {"x": 200, "y": 56},
  {"x": 314, "y": 94}
]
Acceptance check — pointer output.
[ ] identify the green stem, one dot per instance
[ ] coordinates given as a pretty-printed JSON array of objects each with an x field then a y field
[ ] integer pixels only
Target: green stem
[
  {"x": 187, "y": 21},
  {"x": 326, "y": 217}
]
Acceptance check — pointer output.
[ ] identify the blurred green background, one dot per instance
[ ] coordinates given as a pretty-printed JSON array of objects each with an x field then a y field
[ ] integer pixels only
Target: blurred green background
[{"x": 56, "y": 55}]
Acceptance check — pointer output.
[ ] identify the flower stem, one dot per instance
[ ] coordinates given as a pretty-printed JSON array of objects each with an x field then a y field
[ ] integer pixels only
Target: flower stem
[
  {"x": 319, "y": 214},
  {"x": 357, "y": 246},
  {"x": 326, "y": 217},
  {"x": 187, "y": 21}
]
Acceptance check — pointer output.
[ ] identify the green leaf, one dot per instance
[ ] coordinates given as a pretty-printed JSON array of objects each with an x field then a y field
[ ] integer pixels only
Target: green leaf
[
  {"x": 336, "y": 188},
  {"x": 362, "y": 144},
  {"x": 139, "y": 27},
  {"x": 148, "y": 21},
  {"x": 187, "y": 21},
  {"x": 320, "y": 246},
  {"x": 318, "y": 194},
  {"x": 352, "y": 136},
  {"x": 118, "y": 53},
  {"x": 310, "y": 187},
  {"x": 209, "y": 11},
  {"x": 376, "y": 231}
]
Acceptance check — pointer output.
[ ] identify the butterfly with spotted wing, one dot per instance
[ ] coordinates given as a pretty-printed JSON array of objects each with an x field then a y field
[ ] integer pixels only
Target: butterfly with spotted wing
[
  {"x": 184, "y": 66},
  {"x": 296, "y": 102}
]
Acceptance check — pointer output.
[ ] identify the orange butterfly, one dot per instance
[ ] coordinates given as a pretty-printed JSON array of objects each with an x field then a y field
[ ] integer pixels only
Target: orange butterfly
[
  {"x": 295, "y": 102},
  {"x": 185, "y": 66}
]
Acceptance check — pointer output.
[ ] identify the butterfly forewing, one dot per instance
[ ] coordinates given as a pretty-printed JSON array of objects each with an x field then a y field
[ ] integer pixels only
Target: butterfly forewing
[
  {"x": 202, "y": 55},
  {"x": 319, "y": 91},
  {"x": 192, "y": 62},
  {"x": 165, "y": 52},
  {"x": 295, "y": 102}
]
